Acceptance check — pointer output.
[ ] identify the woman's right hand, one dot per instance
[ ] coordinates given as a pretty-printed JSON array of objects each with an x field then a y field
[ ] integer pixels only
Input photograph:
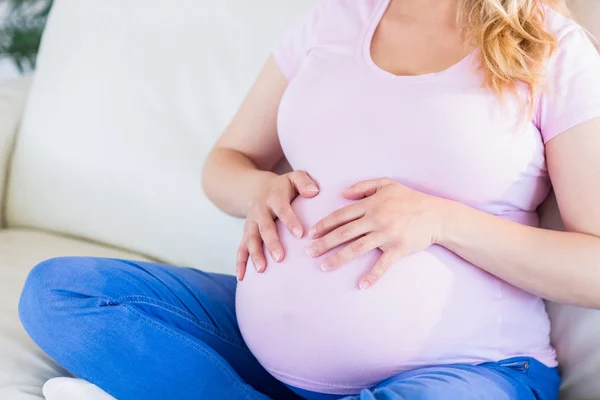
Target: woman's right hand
[{"x": 273, "y": 203}]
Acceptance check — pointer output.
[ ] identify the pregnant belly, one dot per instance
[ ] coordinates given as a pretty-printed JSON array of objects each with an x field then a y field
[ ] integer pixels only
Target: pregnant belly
[{"x": 319, "y": 331}]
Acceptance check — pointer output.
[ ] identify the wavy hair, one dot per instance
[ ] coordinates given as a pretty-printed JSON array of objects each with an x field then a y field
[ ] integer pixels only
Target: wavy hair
[{"x": 512, "y": 38}]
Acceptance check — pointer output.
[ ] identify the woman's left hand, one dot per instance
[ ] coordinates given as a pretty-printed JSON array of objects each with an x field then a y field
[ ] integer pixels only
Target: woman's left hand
[{"x": 389, "y": 216}]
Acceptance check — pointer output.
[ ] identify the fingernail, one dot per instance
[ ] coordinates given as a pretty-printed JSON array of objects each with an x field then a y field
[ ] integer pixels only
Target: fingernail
[
  {"x": 257, "y": 267},
  {"x": 311, "y": 252},
  {"x": 311, "y": 187},
  {"x": 365, "y": 285},
  {"x": 312, "y": 233},
  {"x": 297, "y": 232},
  {"x": 325, "y": 266},
  {"x": 276, "y": 255}
]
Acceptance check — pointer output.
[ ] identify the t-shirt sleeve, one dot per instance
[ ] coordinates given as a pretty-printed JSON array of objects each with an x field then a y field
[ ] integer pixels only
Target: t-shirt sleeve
[
  {"x": 297, "y": 41},
  {"x": 571, "y": 95}
]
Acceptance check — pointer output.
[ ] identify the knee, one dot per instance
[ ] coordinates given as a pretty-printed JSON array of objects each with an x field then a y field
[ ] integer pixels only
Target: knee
[{"x": 40, "y": 298}]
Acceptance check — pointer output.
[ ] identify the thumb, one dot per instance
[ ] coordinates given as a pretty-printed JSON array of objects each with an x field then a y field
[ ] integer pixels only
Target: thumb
[
  {"x": 304, "y": 184},
  {"x": 364, "y": 189}
]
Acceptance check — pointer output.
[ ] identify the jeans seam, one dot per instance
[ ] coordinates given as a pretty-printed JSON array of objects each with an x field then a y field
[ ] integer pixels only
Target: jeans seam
[
  {"x": 183, "y": 315},
  {"x": 188, "y": 342},
  {"x": 167, "y": 307}
]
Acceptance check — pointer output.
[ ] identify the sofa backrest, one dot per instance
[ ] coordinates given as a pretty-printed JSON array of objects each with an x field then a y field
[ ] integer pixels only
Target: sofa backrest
[
  {"x": 587, "y": 13},
  {"x": 128, "y": 98}
]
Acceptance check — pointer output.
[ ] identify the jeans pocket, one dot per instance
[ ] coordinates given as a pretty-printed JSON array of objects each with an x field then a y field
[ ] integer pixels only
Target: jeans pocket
[{"x": 520, "y": 364}]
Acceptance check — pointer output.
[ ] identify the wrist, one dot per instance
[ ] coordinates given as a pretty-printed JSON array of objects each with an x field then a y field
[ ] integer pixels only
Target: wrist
[
  {"x": 260, "y": 181},
  {"x": 263, "y": 180},
  {"x": 451, "y": 213}
]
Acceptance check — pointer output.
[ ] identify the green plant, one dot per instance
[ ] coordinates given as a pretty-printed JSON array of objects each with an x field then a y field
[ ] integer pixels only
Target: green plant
[{"x": 21, "y": 31}]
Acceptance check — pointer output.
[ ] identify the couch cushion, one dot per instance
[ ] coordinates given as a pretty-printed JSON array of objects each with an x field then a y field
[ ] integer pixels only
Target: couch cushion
[
  {"x": 127, "y": 100},
  {"x": 24, "y": 368},
  {"x": 574, "y": 333}
]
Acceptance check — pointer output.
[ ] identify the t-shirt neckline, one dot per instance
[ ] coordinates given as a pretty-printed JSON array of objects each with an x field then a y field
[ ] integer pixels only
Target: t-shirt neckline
[{"x": 366, "y": 60}]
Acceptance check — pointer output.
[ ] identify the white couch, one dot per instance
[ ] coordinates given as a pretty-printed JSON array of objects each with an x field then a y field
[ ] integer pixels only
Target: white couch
[{"x": 101, "y": 152}]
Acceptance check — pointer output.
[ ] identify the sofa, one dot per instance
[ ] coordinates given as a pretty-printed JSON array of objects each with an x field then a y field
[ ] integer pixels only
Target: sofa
[{"x": 101, "y": 154}]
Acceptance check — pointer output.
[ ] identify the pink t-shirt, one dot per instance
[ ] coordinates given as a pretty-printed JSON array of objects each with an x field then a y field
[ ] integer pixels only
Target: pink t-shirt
[{"x": 343, "y": 120}]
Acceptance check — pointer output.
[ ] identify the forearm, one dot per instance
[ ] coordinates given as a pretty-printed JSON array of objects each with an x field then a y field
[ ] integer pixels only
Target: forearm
[
  {"x": 231, "y": 181},
  {"x": 559, "y": 266}
]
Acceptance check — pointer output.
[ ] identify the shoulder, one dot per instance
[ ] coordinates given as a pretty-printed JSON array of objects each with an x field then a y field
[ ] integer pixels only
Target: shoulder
[
  {"x": 337, "y": 21},
  {"x": 349, "y": 6},
  {"x": 328, "y": 24},
  {"x": 563, "y": 28},
  {"x": 576, "y": 50},
  {"x": 333, "y": 13},
  {"x": 570, "y": 92}
]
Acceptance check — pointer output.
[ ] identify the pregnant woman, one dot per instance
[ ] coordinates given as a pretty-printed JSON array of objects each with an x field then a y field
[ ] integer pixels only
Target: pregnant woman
[{"x": 402, "y": 258}]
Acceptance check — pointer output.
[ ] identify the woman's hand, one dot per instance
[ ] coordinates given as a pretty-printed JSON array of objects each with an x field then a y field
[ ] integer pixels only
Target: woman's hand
[
  {"x": 389, "y": 216},
  {"x": 274, "y": 202}
]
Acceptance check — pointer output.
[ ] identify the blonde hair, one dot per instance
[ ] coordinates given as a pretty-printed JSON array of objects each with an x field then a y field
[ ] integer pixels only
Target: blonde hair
[{"x": 512, "y": 40}]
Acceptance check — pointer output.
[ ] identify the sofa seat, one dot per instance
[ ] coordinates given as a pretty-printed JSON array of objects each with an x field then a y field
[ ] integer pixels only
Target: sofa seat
[{"x": 25, "y": 366}]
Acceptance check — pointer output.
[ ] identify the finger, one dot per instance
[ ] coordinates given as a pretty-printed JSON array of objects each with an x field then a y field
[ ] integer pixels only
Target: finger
[
  {"x": 255, "y": 248},
  {"x": 268, "y": 233},
  {"x": 338, "y": 236},
  {"x": 242, "y": 261},
  {"x": 256, "y": 254},
  {"x": 365, "y": 189},
  {"x": 336, "y": 219},
  {"x": 352, "y": 251},
  {"x": 304, "y": 184},
  {"x": 382, "y": 265},
  {"x": 283, "y": 210}
]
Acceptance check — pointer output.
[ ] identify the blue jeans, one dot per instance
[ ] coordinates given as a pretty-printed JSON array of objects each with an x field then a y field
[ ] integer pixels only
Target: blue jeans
[{"x": 148, "y": 331}]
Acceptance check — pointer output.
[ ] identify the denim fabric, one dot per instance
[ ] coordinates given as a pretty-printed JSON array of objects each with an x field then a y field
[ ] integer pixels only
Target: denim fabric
[
  {"x": 149, "y": 331},
  {"x": 520, "y": 378}
]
